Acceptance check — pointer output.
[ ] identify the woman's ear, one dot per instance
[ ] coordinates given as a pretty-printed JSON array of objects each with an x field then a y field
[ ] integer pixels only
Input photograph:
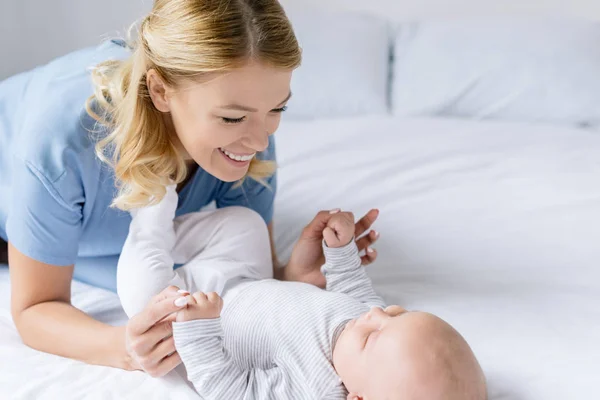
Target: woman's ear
[{"x": 158, "y": 91}]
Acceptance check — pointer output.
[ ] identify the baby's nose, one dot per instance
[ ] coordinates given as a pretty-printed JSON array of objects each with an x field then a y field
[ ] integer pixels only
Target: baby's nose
[
  {"x": 376, "y": 313},
  {"x": 394, "y": 311}
]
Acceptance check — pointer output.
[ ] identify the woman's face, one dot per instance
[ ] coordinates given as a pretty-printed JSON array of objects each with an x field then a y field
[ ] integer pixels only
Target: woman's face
[{"x": 222, "y": 122}]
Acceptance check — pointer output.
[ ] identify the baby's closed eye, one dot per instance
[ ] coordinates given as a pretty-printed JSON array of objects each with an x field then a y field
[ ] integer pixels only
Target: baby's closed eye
[{"x": 371, "y": 338}]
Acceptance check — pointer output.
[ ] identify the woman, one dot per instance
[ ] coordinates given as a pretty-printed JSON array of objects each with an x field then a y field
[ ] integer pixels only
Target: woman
[{"x": 194, "y": 101}]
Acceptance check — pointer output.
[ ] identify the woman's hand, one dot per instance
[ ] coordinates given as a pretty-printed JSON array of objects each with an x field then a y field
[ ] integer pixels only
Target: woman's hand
[
  {"x": 148, "y": 335},
  {"x": 307, "y": 256}
]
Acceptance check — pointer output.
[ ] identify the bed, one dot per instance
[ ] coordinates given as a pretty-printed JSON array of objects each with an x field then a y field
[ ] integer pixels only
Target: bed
[
  {"x": 493, "y": 226},
  {"x": 479, "y": 141}
]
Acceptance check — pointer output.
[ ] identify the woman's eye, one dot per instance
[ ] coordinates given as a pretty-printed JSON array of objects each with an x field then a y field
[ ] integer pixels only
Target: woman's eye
[
  {"x": 233, "y": 120},
  {"x": 280, "y": 110}
]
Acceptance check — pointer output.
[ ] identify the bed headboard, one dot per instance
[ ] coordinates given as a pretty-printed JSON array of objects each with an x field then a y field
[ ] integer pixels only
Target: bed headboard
[{"x": 408, "y": 9}]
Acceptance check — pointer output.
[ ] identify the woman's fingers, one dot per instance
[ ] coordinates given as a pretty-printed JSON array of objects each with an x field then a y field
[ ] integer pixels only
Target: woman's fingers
[
  {"x": 155, "y": 312},
  {"x": 165, "y": 366},
  {"x": 143, "y": 344},
  {"x": 314, "y": 230},
  {"x": 149, "y": 333},
  {"x": 369, "y": 257},
  {"x": 169, "y": 291},
  {"x": 367, "y": 240},
  {"x": 364, "y": 224},
  {"x": 161, "y": 351}
]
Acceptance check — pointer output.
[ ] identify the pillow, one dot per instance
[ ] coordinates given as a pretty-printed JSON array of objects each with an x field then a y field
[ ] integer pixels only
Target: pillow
[
  {"x": 536, "y": 69},
  {"x": 345, "y": 68}
]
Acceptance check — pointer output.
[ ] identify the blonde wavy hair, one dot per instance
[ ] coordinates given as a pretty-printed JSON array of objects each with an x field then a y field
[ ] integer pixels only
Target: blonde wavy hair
[{"x": 182, "y": 40}]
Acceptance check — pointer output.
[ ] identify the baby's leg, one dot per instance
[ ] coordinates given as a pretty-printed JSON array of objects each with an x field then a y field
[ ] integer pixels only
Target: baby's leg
[
  {"x": 138, "y": 283},
  {"x": 220, "y": 245},
  {"x": 215, "y": 246},
  {"x": 146, "y": 263}
]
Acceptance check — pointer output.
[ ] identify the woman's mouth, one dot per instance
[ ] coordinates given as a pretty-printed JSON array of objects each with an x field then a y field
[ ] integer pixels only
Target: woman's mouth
[{"x": 237, "y": 159}]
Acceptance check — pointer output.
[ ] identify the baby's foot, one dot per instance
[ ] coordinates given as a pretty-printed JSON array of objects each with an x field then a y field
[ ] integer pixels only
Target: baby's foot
[{"x": 201, "y": 306}]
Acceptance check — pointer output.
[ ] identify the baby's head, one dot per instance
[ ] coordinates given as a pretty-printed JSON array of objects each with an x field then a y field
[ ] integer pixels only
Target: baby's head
[{"x": 396, "y": 354}]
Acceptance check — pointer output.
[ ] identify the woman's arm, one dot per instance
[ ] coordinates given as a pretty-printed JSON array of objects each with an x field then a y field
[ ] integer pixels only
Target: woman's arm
[{"x": 46, "y": 320}]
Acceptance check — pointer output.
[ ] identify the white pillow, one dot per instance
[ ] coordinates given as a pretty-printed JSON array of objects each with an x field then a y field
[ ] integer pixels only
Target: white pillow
[
  {"x": 536, "y": 69},
  {"x": 345, "y": 68}
]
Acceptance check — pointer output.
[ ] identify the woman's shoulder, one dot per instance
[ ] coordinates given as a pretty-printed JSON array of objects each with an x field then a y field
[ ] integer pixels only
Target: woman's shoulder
[
  {"x": 52, "y": 125},
  {"x": 63, "y": 81}
]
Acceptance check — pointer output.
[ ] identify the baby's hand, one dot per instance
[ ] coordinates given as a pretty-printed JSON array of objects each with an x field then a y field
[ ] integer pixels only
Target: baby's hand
[
  {"x": 201, "y": 306},
  {"x": 340, "y": 230}
]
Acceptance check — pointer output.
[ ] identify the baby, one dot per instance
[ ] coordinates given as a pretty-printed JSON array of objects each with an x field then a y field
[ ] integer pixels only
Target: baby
[{"x": 252, "y": 337}]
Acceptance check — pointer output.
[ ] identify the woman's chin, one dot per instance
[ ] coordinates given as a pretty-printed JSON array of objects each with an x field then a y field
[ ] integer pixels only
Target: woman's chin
[{"x": 229, "y": 174}]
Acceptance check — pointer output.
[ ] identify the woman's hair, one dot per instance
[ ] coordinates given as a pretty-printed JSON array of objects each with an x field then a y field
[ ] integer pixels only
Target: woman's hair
[{"x": 182, "y": 40}]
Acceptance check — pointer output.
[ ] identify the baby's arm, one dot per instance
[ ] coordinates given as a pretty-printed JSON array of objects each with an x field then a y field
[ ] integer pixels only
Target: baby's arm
[
  {"x": 212, "y": 371},
  {"x": 146, "y": 264},
  {"x": 344, "y": 273},
  {"x": 199, "y": 342}
]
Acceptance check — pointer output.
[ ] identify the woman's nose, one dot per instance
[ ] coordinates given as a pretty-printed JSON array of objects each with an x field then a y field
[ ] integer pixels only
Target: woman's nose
[{"x": 258, "y": 139}]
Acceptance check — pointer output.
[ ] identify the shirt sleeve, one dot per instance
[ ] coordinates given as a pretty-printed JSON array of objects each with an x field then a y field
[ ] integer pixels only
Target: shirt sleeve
[
  {"x": 253, "y": 194},
  {"x": 344, "y": 273},
  {"x": 215, "y": 375},
  {"x": 45, "y": 218}
]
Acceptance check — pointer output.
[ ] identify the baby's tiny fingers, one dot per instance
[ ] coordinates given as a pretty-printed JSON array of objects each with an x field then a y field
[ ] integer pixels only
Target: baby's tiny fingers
[
  {"x": 349, "y": 216},
  {"x": 213, "y": 297},
  {"x": 200, "y": 297},
  {"x": 330, "y": 237}
]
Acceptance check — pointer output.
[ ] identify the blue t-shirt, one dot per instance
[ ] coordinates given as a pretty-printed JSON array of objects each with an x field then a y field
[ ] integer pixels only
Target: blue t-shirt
[{"x": 54, "y": 191}]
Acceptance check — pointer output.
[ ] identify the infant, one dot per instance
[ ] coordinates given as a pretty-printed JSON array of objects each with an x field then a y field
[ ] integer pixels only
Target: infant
[{"x": 253, "y": 337}]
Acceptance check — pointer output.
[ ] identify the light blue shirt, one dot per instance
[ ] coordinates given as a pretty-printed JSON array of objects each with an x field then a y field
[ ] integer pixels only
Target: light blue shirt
[{"x": 55, "y": 193}]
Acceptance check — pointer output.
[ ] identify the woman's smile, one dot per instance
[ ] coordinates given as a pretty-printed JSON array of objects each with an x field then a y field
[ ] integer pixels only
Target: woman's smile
[{"x": 236, "y": 159}]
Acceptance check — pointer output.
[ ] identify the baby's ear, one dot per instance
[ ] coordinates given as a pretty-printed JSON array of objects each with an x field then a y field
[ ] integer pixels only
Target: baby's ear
[{"x": 353, "y": 396}]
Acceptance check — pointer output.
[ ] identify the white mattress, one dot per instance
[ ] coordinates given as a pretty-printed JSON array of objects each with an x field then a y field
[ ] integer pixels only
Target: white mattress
[{"x": 493, "y": 226}]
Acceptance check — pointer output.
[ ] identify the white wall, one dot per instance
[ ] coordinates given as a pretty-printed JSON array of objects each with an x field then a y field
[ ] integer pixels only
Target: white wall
[
  {"x": 406, "y": 9},
  {"x": 35, "y": 31}
]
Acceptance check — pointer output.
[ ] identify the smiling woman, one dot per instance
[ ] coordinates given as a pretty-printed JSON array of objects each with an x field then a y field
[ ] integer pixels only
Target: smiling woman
[
  {"x": 193, "y": 99},
  {"x": 223, "y": 120},
  {"x": 156, "y": 114},
  {"x": 225, "y": 90}
]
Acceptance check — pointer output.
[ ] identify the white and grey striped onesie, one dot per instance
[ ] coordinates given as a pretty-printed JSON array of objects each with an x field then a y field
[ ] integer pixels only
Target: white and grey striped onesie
[{"x": 274, "y": 339}]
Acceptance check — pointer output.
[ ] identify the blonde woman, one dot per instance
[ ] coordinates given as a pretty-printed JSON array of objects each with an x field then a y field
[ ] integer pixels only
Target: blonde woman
[{"x": 195, "y": 101}]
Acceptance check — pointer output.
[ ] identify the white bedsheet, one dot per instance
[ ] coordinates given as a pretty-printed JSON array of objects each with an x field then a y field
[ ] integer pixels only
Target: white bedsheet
[{"x": 493, "y": 226}]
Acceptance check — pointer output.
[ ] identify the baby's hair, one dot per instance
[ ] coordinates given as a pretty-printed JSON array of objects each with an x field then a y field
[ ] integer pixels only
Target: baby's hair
[
  {"x": 459, "y": 374},
  {"x": 442, "y": 365}
]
